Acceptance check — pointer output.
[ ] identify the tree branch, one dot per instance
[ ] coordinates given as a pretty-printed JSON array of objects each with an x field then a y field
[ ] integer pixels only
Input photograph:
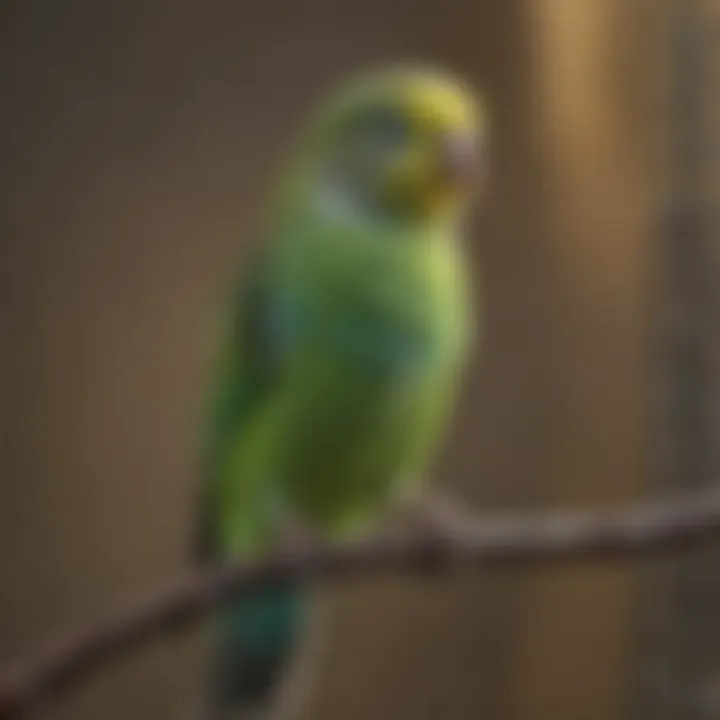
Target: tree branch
[{"x": 531, "y": 538}]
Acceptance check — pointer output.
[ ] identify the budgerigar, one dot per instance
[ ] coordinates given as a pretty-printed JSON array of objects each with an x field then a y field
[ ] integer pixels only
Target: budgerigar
[{"x": 345, "y": 347}]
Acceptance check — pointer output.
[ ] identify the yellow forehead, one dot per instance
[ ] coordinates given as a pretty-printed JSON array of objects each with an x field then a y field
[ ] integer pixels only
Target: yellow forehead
[
  {"x": 430, "y": 101},
  {"x": 434, "y": 103}
]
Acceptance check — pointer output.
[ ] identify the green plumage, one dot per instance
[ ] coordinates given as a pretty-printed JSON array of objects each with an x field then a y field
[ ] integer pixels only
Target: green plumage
[{"x": 340, "y": 368}]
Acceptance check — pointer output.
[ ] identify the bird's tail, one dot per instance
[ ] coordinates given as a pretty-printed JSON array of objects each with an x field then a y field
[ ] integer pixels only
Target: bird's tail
[{"x": 256, "y": 639}]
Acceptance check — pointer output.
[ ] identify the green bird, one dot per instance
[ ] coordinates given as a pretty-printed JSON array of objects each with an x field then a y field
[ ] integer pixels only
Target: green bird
[{"x": 344, "y": 349}]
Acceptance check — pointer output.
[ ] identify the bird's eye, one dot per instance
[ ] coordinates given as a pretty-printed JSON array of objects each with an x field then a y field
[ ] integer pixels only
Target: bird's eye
[{"x": 389, "y": 131}]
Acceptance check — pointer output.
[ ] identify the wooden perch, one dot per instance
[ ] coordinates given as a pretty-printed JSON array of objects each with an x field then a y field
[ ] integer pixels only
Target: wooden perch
[{"x": 517, "y": 539}]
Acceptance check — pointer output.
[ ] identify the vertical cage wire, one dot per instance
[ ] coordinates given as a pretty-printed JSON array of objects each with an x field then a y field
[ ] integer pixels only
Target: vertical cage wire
[{"x": 681, "y": 640}]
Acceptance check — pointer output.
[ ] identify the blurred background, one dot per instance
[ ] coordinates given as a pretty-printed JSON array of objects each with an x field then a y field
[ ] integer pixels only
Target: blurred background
[{"x": 137, "y": 141}]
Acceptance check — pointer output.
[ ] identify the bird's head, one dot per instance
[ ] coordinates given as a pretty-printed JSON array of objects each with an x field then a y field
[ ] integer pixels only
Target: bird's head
[{"x": 400, "y": 144}]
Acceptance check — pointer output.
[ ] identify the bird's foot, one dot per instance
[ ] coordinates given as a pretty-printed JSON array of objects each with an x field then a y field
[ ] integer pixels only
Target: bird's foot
[
  {"x": 296, "y": 536},
  {"x": 433, "y": 515}
]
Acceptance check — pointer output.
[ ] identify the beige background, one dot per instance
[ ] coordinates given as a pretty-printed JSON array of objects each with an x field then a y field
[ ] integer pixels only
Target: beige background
[{"x": 137, "y": 141}]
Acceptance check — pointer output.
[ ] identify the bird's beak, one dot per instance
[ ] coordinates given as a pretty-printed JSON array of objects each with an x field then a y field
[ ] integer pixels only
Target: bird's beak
[
  {"x": 434, "y": 177},
  {"x": 458, "y": 158}
]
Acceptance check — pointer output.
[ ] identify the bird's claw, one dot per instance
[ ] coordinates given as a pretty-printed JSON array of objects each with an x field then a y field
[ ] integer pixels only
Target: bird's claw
[
  {"x": 296, "y": 537},
  {"x": 434, "y": 516}
]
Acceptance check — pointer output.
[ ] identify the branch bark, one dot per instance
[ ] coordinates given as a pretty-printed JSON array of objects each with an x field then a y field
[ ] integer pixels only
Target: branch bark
[{"x": 486, "y": 542}]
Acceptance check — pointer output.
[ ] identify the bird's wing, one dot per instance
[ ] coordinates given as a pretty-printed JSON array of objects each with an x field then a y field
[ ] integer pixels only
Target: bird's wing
[{"x": 244, "y": 383}]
